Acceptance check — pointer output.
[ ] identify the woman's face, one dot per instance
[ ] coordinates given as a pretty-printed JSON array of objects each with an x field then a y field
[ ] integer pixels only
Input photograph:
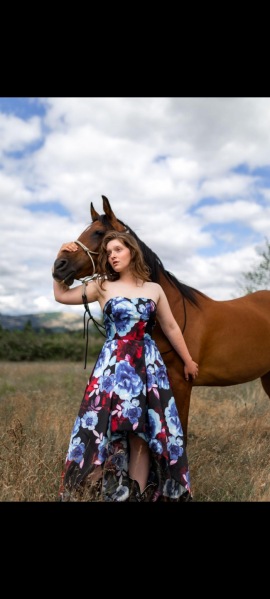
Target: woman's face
[{"x": 118, "y": 255}]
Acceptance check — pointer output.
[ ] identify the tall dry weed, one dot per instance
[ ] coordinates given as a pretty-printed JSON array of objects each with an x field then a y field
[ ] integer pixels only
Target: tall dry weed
[{"x": 228, "y": 439}]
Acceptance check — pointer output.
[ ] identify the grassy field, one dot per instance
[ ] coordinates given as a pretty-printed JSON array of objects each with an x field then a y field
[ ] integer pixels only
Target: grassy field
[{"x": 228, "y": 440}]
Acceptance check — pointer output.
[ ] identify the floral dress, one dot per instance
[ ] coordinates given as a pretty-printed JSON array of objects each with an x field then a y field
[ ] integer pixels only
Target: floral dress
[{"x": 128, "y": 392}]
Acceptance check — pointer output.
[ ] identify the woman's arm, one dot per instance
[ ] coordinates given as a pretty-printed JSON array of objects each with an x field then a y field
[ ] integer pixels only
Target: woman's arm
[
  {"x": 174, "y": 334},
  {"x": 64, "y": 295}
]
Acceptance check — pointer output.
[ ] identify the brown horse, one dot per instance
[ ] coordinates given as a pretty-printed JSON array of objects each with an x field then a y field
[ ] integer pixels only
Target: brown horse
[{"x": 230, "y": 339}]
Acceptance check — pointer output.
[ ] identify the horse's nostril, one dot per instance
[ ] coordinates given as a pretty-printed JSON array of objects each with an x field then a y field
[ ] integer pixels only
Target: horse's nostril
[{"x": 60, "y": 264}]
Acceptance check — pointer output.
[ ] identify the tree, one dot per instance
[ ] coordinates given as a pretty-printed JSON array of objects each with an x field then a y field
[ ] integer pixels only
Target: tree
[
  {"x": 259, "y": 277},
  {"x": 28, "y": 326}
]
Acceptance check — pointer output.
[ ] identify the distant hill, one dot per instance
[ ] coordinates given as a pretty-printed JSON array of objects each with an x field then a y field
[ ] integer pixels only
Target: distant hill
[{"x": 53, "y": 321}]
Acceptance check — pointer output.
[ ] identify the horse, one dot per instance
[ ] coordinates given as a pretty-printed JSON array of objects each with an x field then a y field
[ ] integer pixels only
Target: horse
[{"x": 230, "y": 339}]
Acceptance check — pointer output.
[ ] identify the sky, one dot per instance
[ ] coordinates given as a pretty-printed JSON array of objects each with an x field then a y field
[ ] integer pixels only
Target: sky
[{"x": 191, "y": 176}]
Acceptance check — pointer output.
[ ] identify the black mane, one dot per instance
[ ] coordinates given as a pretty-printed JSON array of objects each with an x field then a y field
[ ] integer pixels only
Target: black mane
[{"x": 156, "y": 266}]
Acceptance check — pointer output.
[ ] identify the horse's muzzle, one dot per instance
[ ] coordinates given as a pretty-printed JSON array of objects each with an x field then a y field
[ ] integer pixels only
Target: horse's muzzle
[{"x": 62, "y": 271}]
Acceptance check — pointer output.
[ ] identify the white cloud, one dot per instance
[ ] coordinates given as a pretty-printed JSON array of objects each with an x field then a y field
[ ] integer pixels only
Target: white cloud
[
  {"x": 228, "y": 187},
  {"x": 231, "y": 211},
  {"x": 155, "y": 159},
  {"x": 16, "y": 134}
]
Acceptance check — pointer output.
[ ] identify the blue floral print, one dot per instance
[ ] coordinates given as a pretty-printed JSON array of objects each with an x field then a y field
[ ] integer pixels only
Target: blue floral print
[
  {"x": 76, "y": 450},
  {"x": 154, "y": 423},
  {"x": 122, "y": 314},
  {"x": 173, "y": 419},
  {"x": 89, "y": 420},
  {"x": 107, "y": 382},
  {"x": 162, "y": 378},
  {"x": 128, "y": 383},
  {"x": 128, "y": 392},
  {"x": 132, "y": 411},
  {"x": 175, "y": 446},
  {"x": 104, "y": 358}
]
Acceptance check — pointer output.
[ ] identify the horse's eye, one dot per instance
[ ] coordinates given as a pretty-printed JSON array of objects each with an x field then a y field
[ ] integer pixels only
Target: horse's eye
[{"x": 99, "y": 233}]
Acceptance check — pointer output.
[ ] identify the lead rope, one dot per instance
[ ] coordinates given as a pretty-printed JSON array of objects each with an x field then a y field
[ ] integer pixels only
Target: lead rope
[{"x": 86, "y": 323}]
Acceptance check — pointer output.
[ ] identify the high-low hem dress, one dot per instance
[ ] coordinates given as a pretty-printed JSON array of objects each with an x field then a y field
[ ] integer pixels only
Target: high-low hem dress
[{"x": 128, "y": 392}]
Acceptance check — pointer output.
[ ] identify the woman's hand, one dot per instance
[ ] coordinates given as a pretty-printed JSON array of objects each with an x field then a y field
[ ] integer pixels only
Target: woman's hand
[
  {"x": 191, "y": 368},
  {"x": 70, "y": 246}
]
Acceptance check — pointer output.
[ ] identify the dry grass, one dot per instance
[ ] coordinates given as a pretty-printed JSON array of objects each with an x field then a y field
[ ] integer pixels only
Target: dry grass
[
  {"x": 228, "y": 445},
  {"x": 38, "y": 404}
]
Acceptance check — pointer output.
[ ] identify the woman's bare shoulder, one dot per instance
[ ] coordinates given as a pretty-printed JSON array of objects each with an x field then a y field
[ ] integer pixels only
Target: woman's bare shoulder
[
  {"x": 107, "y": 289},
  {"x": 154, "y": 290},
  {"x": 154, "y": 285}
]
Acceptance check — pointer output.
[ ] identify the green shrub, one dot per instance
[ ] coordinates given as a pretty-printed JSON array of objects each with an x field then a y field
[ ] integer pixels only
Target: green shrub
[{"x": 31, "y": 345}]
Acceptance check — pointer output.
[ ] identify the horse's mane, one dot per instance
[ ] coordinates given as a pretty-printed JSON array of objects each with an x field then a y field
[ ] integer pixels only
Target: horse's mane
[{"x": 156, "y": 266}]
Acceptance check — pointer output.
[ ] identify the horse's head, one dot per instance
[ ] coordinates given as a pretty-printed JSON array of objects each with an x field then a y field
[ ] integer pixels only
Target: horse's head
[{"x": 76, "y": 265}]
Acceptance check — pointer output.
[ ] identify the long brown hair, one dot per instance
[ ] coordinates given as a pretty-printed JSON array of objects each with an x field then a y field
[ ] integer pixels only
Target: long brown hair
[{"x": 137, "y": 265}]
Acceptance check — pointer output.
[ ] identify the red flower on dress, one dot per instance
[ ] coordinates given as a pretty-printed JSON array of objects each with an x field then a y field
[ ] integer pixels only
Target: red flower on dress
[
  {"x": 137, "y": 332},
  {"x": 130, "y": 351},
  {"x": 116, "y": 422}
]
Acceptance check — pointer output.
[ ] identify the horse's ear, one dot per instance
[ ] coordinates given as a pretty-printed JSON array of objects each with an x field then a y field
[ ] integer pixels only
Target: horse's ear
[
  {"x": 110, "y": 215},
  {"x": 93, "y": 212},
  {"x": 107, "y": 207}
]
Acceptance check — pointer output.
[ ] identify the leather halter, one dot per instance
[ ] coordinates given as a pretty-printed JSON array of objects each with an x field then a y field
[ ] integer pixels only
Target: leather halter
[
  {"x": 84, "y": 297},
  {"x": 88, "y": 252}
]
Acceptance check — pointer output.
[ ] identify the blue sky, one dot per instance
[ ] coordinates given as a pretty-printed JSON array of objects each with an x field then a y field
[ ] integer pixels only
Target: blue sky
[{"x": 190, "y": 175}]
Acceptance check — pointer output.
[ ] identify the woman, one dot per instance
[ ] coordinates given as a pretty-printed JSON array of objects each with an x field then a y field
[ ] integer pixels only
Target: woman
[{"x": 127, "y": 443}]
